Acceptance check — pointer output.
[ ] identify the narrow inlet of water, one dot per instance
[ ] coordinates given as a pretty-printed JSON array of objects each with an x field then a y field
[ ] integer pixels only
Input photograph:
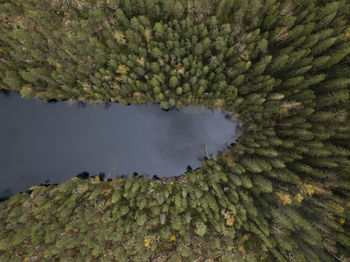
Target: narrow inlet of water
[{"x": 56, "y": 141}]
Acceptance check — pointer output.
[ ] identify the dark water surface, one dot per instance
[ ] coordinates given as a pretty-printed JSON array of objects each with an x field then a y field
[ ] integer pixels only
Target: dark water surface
[{"x": 40, "y": 141}]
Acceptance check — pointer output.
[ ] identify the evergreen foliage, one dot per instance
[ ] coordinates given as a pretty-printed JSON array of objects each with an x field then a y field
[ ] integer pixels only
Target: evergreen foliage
[{"x": 281, "y": 193}]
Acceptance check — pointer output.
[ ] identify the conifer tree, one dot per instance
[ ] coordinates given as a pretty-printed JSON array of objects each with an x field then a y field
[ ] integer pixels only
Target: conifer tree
[{"x": 281, "y": 66}]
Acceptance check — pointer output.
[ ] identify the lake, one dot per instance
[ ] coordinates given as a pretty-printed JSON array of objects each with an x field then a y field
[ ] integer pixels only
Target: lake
[{"x": 56, "y": 141}]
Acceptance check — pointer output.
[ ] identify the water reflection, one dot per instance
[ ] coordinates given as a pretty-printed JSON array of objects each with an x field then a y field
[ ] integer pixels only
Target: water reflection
[{"x": 56, "y": 141}]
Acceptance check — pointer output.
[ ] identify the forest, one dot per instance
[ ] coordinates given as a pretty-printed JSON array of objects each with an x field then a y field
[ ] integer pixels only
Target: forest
[{"x": 282, "y": 193}]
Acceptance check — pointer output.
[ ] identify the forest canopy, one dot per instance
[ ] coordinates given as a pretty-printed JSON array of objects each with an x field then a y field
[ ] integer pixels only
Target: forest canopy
[{"x": 283, "y": 67}]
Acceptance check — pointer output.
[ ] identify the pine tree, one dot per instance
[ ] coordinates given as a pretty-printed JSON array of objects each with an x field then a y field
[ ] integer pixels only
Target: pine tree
[{"x": 278, "y": 63}]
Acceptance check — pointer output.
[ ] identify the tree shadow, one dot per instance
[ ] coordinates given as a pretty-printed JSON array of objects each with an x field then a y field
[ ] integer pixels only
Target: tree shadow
[
  {"x": 5, "y": 92},
  {"x": 6, "y": 194}
]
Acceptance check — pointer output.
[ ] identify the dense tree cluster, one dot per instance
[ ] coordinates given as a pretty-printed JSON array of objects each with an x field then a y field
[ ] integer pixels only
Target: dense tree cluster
[{"x": 283, "y": 67}]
